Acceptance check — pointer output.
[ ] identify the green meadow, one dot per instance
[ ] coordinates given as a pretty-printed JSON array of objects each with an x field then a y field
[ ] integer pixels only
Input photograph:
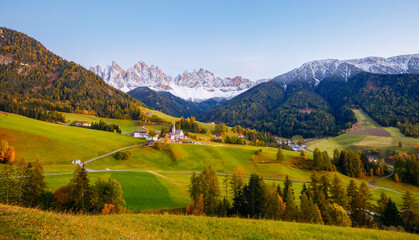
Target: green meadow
[{"x": 57, "y": 145}]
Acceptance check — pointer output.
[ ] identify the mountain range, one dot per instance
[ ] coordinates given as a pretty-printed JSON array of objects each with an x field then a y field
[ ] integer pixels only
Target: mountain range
[
  {"x": 200, "y": 85},
  {"x": 314, "y": 100},
  {"x": 320, "y": 85},
  {"x": 196, "y": 86},
  {"x": 315, "y": 71}
]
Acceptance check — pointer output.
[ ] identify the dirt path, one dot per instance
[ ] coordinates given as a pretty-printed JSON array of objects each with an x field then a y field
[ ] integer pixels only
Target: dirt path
[{"x": 113, "y": 152}]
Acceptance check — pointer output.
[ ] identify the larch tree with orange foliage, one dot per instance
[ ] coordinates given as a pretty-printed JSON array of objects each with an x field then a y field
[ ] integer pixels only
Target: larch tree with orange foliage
[{"x": 7, "y": 152}]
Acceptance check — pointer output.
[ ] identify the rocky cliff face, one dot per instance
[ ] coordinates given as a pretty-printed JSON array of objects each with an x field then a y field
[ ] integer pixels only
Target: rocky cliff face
[{"x": 197, "y": 85}]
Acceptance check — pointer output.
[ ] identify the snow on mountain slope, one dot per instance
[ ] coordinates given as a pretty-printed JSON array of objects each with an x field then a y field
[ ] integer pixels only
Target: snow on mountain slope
[
  {"x": 315, "y": 71},
  {"x": 195, "y": 86}
]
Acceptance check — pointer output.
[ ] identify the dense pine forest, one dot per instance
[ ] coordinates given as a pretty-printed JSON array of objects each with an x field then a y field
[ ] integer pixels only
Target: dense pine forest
[
  {"x": 34, "y": 80},
  {"x": 322, "y": 110}
]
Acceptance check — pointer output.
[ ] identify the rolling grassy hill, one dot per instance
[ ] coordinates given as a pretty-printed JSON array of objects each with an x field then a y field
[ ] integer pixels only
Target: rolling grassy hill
[
  {"x": 56, "y": 145},
  {"x": 21, "y": 223}
]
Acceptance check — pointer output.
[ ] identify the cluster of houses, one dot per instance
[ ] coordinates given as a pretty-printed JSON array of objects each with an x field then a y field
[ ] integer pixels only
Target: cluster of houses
[
  {"x": 83, "y": 124},
  {"x": 372, "y": 159},
  {"x": 295, "y": 146},
  {"x": 174, "y": 135}
]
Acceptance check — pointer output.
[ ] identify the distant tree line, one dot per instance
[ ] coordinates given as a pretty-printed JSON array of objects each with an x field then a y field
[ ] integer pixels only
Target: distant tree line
[
  {"x": 102, "y": 125},
  {"x": 190, "y": 125},
  {"x": 409, "y": 129},
  {"x": 321, "y": 201},
  {"x": 406, "y": 168},
  {"x": 350, "y": 163},
  {"x": 35, "y": 113}
]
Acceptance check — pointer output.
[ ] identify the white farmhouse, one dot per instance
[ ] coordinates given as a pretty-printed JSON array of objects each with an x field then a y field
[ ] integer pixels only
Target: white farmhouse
[{"x": 140, "y": 133}]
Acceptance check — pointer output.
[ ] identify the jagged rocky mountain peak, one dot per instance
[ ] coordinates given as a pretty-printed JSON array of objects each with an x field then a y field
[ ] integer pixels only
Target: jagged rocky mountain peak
[{"x": 197, "y": 85}]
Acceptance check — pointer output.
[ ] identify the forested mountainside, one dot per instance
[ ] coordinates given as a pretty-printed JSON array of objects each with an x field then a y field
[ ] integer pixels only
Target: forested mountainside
[
  {"x": 320, "y": 110},
  {"x": 33, "y": 79},
  {"x": 172, "y": 105}
]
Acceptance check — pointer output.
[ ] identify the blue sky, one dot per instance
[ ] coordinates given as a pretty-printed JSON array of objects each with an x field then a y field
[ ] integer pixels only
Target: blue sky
[{"x": 254, "y": 39}]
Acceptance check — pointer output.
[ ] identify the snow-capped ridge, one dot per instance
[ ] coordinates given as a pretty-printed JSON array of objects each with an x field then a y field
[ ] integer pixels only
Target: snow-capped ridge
[
  {"x": 315, "y": 71},
  {"x": 198, "y": 85}
]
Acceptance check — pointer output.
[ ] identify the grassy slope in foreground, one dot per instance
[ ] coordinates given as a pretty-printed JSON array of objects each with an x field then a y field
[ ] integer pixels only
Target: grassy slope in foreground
[{"x": 19, "y": 223}]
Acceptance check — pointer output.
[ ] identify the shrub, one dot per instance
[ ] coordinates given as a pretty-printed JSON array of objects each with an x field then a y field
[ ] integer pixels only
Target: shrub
[{"x": 122, "y": 155}]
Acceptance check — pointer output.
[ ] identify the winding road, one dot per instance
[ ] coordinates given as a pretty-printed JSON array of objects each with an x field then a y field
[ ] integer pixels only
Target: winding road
[{"x": 370, "y": 184}]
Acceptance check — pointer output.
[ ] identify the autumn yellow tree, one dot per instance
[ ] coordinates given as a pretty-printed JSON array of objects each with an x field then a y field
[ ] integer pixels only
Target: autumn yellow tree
[
  {"x": 303, "y": 155},
  {"x": 199, "y": 206},
  {"x": 7, "y": 153},
  {"x": 396, "y": 178}
]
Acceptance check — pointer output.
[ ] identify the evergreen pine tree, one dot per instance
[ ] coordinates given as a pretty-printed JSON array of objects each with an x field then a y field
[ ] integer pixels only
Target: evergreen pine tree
[
  {"x": 304, "y": 208},
  {"x": 381, "y": 203},
  {"x": 237, "y": 181},
  {"x": 274, "y": 206},
  {"x": 335, "y": 156},
  {"x": 279, "y": 155},
  {"x": 33, "y": 184},
  {"x": 338, "y": 194},
  {"x": 81, "y": 190},
  {"x": 7, "y": 183},
  {"x": 325, "y": 185},
  {"x": 195, "y": 187},
  {"x": 255, "y": 193},
  {"x": 211, "y": 190},
  {"x": 291, "y": 211},
  {"x": 391, "y": 215},
  {"x": 410, "y": 212},
  {"x": 310, "y": 213},
  {"x": 316, "y": 157},
  {"x": 364, "y": 200},
  {"x": 314, "y": 187},
  {"x": 352, "y": 193},
  {"x": 287, "y": 186},
  {"x": 304, "y": 190},
  {"x": 279, "y": 190},
  {"x": 324, "y": 205}
]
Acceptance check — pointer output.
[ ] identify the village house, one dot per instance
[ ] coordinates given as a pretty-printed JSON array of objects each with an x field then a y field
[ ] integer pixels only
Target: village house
[
  {"x": 175, "y": 134},
  {"x": 140, "y": 133},
  {"x": 372, "y": 159},
  {"x": 83, "y": 124},
  {"x": 144, "y": 133},
  {"x": 153, "y": 137},
  {"x": 76, "y": 162}
]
